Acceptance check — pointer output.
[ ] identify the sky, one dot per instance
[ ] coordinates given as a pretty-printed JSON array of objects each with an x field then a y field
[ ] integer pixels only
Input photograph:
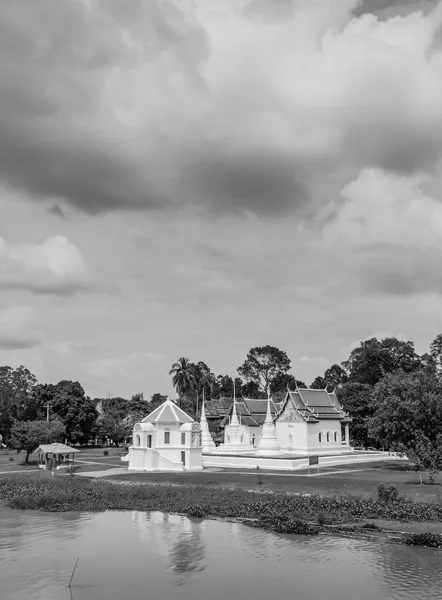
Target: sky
[{"x": 196, "y": 178}]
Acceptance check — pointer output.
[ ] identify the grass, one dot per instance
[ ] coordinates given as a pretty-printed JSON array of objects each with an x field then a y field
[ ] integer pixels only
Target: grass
[
  {"x": 91, "y": 455},
  {"x": 356, "y": 479}
]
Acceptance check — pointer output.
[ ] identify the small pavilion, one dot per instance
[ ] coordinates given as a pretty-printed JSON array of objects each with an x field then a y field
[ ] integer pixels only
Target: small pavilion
[{"x": 55, "y": 456}]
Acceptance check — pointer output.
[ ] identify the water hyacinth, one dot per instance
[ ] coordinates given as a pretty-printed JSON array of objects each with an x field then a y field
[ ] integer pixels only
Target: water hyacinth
[{"x": 280, "y": 512}]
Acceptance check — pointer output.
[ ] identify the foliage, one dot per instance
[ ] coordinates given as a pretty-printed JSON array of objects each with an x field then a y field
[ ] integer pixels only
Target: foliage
[
  {"x": 276, "y": 511},
  {"x": 387, "y": 493},
  {"x": 372, "y": 359},
  {"x": 407, "y": 409},
  {"x": 28, "y": 435},
  {"x": 318, "y": 383},
  {"x": 282, "y": 381},
  {"x": 16, "y": 397},
  {"x": 112, "y": 426},
  {"x": 356, "y": 399},
  {"x": 426, "y": 455},
  {"x": 263, "y": 365},
  {"x": 223, "y": 387},
  {"x": 430, "y": 540},
  {"x": 436, "y": 352},
  {"x": 69, "y": 402},
  {"x": 182, "y": 373}
]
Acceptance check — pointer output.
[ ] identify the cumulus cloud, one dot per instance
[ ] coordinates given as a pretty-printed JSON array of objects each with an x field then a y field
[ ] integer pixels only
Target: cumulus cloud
[
  {"x": 243, "y": 106},
  {"x": 54, "y": 267},
  {"x": 393, "y": 232},
  {"x": 16, "y": 329}
]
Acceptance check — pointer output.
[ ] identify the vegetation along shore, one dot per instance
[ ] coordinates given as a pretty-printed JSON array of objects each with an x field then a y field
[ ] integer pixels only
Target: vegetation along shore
[{"x": 279, "y": 512}]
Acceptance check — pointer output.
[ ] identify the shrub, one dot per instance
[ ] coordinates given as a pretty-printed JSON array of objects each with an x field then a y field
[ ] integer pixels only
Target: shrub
[
  {"x": 11, "y": 459},
  {"x": 387, "y": 493},
  {"x": 106, "y": 452},
  {"x": 321, "y": 519},
  {"x": 431, "y": 540}
]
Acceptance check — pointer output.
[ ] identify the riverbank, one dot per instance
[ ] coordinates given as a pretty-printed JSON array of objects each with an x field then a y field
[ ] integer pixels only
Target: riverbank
[{"x": 279, "y": 512}]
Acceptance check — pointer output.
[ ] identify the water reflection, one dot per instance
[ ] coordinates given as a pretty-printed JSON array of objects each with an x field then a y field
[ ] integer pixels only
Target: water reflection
[
  {"x": 139, "y": 555},
  {"x": 178, "y": 539}
]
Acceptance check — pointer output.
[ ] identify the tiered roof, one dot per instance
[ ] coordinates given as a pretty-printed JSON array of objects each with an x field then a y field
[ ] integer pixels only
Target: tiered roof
[
  {"x": 218, "y": 408},
  {"x": 313, "y": 405},
  {"x": 252, "y": 411}
]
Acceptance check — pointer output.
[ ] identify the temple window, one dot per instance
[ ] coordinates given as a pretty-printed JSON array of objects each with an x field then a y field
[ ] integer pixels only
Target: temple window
[
  {"x": 183, "y": 438},
  {"x": 253, "y": 439},
  {"x": 320, "y": 437},
  {"x": 336, "y": 436},
  {"x": 137, "y": 440},
  {"x": 328, "y": 436},
  {"x": 167, "y": 436}
]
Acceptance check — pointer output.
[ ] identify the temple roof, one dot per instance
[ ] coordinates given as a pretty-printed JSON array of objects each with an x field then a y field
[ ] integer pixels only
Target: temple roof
[
  {"x": 217, "y": 408},
  {"x": 252, "y": 411},
  {"x": 313, "y": 404},
  {"x": 168, "y": 412}
]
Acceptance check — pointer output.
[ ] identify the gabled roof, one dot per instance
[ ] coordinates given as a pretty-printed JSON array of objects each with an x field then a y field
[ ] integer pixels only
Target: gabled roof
[
  {"x": 56, "y": 449},
  {"x": 217, "y": 408},
  {"x": 313, "y": 404},
  {"x": 168, "y": 412},
  {"x": 252, "y": 411}
]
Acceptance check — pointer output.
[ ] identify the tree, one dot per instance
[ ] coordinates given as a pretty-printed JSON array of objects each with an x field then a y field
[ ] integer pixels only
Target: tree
[
  {"x": 436, "y": 352},
  {"x": 119, "y": 407},
  {"x": 318, "y": 383},
  {"x": 28, "y": 435},
  {"x": 373, "y": 359},
  {"x": 16, "y": 397},
  {"x": 426, "y": 455},
  {"x": 284, "y": 380},
  {"x": 225, "y": 386},
  {"x": 115, "y": 427},
  {"x": 77, "y": 411},
  {"x": 335, "y": 376},
  {"x": 182, "y": 373},
  {"x": 356, "y": 399},
  {"x": 263, "y": 365},
  {"x": 407, "y": 411}
]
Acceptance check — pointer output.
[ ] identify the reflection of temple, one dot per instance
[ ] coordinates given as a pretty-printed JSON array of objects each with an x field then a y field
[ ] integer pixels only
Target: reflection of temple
[
  {"x": 175, "y": 537},
  {"x": 166, "y": 440}
]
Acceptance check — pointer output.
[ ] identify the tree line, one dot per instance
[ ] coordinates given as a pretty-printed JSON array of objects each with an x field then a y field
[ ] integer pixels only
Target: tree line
[{"x": 393, "y": 394}]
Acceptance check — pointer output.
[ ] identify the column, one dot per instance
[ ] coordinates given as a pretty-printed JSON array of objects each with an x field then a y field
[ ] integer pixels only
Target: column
[{"x": 347, "y": 434}]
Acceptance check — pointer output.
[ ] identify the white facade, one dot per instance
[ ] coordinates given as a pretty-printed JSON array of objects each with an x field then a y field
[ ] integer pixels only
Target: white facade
[
  {"x": 166, "y": 440},
  {"x": 308, "y": 422}
]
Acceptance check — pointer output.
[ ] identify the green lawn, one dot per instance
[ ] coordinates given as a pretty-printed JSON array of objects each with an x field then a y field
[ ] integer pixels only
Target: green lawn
[
  {"x": 11, "y": 461},
  {"x": 357, "y": 479}
]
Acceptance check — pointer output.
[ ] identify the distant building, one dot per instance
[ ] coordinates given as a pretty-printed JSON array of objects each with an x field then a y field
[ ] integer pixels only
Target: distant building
[
  {"x": 307, "y": 421},
  {"x": 168, "y": 439}
]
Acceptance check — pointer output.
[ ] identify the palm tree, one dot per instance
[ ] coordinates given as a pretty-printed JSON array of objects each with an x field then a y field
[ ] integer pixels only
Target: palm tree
[{"x": 182, "y": 373}]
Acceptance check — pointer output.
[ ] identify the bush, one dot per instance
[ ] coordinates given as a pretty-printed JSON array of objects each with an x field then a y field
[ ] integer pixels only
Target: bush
[
  {"x": 321, "y": 519},
  {"x": 106, "y": 452},
  {"x": 387, "y": 493},
  {"x": 430, "y": 540}
]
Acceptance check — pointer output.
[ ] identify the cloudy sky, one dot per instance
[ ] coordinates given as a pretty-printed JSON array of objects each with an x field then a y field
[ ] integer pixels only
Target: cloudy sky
[{"x": 196, "y": 177}]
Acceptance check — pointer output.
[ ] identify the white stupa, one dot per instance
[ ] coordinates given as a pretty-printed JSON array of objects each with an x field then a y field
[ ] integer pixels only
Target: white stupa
[
  {"x": 268, "y": 443},
  {"x": 236, "y": 436},
  {"x": 206, "y": 439}
]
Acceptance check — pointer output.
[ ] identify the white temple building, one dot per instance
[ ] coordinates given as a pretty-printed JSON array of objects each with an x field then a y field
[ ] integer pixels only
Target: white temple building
[
  {"x": 307, "y": 422},
  {"x": 166, "y": 440}
]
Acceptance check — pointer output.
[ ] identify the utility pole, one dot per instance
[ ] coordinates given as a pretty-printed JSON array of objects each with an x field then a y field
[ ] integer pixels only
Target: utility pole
[{"x": 47, "y": 411}]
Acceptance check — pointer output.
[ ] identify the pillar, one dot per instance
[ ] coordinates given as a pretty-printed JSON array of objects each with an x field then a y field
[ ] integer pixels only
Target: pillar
[{"x": 347, "y": 434}]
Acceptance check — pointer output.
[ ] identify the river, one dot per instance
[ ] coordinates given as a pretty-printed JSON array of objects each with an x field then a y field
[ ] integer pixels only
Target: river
[{"x": 142, "y": 556}]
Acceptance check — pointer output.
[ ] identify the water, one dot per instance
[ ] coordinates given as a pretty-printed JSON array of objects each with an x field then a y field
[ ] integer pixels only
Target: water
[{"x": 142, "y": 556}]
